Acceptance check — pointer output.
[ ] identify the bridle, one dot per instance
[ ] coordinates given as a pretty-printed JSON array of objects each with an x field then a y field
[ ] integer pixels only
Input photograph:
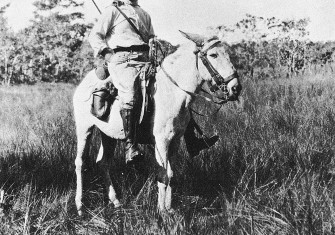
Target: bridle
[{"x": 217, "y": 82}]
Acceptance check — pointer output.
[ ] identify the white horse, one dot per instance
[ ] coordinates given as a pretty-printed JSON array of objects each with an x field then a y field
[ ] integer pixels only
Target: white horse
[{"x": 177, "y": 83}]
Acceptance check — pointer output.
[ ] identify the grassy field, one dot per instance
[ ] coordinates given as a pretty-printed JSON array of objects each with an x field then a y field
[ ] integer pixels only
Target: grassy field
[{"x": 270, "y": 173}]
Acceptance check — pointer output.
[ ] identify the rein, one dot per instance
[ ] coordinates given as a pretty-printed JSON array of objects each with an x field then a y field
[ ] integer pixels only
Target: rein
[{"x": 189, "y": 92}]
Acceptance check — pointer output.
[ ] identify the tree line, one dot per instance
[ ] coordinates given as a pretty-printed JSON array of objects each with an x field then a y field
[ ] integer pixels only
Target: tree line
[
  {"x": 271, "y": 47},
  {"x": 54, "y": 47}
]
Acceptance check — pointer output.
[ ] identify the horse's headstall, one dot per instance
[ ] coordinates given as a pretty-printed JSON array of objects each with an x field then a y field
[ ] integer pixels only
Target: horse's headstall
[
  {"x": 205, "y": 46},
  {"x": 217, "y": 83}
]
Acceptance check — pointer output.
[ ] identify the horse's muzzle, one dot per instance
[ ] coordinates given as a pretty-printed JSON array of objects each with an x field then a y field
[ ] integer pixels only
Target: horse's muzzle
[{"x": 234, "y": 89}]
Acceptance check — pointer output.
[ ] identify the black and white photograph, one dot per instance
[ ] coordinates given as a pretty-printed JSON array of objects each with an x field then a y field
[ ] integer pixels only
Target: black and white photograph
[{"x": 175, "y": 117}]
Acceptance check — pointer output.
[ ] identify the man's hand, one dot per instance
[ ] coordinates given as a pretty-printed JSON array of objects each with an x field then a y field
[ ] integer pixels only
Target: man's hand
[
  {"x": 108, "y": 56},
  {"x": 107, "y": 53}
]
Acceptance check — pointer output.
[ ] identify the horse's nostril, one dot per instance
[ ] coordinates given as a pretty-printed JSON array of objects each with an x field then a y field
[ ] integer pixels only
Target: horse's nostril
[{"x": 238, "y": 88}]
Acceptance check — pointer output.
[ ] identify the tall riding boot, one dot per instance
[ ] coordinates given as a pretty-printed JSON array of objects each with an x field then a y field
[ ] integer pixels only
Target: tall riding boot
[
  {"x": 131, "y": 148},
  {"x": 194, "y": 144}
]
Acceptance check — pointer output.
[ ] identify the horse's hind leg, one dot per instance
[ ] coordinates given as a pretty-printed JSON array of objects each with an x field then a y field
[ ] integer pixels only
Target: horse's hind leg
[
  {"x": 105, "y": 155},
  {"x": 83, "y": 136},
  {"x": 164, "y": 175}
]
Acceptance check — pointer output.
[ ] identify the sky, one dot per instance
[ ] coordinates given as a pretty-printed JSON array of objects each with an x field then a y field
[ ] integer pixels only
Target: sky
[{"x": 169, "y": 16}]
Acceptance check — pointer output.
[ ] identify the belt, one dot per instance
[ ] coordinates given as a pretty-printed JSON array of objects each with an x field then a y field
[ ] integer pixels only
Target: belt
[{"x": 132, "y": 48}]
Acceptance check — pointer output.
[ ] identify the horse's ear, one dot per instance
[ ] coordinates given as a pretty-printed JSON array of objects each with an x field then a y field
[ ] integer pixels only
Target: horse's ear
[{"x": 196, "y": 38}]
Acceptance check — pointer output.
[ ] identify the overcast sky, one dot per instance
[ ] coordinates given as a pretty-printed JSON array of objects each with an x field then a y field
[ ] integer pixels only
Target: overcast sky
[{"x": 169, "y": 16}]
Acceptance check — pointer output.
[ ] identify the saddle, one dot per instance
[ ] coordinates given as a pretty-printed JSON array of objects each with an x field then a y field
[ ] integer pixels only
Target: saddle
[{"x": 102, "y": 100}]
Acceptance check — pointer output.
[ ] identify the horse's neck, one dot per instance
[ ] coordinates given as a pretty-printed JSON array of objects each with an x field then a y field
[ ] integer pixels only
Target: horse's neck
[{"x": 181, "y": 68}]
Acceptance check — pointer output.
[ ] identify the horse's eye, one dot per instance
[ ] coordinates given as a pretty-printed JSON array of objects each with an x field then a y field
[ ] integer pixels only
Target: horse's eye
[{"x": 214, "y": 55}]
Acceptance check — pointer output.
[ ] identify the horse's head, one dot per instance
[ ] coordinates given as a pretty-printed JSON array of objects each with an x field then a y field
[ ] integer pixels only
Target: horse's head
[{"x": 216, "y": 67}]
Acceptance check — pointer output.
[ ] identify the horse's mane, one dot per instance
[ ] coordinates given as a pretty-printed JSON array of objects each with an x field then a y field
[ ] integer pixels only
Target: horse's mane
[
  {"x": 182, "y": 50},
  {"x": 187, "y": 48}
]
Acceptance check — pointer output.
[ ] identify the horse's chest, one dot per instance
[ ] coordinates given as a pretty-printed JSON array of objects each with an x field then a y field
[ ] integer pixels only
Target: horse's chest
[{"x": 176, "y": 123}]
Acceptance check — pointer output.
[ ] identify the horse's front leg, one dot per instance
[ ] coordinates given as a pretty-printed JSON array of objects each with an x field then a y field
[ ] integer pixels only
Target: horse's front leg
[
  {"x": 83, "y": 137},
  {"x": 106, "y": 152},
  {"x": 164, "y": 174}
]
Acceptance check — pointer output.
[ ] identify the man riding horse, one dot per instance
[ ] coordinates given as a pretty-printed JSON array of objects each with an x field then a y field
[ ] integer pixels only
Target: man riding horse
[{"x": 122, "y": 38}]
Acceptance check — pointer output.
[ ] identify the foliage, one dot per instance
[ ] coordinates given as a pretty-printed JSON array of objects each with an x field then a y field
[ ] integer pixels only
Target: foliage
[
  {"x": 52, "y": 49},
  {"x": 7, "y": 45},
  {"x": 270, "y": 47}
]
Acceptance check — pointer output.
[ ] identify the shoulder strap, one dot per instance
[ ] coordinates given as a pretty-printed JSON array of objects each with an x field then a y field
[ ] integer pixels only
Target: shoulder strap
[{"x": 130, "y": 22}]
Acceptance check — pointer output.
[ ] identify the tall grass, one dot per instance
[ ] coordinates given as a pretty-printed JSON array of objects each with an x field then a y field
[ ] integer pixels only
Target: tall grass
[{"x": 270, "y": 173}]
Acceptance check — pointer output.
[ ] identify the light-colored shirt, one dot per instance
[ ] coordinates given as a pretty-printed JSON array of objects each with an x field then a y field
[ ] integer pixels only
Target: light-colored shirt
[{"x": 113, "y": 30}]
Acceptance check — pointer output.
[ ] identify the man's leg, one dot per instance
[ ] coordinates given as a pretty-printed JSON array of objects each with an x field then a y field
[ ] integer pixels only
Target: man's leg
[
  {"x": 125, "y": 80},
  {"x": 194, "y": 144},
  {"x": 128, "y": 116}
]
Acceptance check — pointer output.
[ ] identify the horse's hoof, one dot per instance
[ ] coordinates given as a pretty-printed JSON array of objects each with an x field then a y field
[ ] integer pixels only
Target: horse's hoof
[
  {"x": 170, "y": 211},
  {"x": 80, "y": 213},
  {"x": 117, "y": 204},
  {"x": 167, "y": 212}
]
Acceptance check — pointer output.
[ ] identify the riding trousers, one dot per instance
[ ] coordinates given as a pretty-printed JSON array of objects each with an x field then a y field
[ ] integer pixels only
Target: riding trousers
[{"x": 124, "y": 68}]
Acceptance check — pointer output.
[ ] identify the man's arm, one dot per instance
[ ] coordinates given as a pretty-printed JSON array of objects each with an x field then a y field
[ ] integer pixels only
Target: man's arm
[
  {"x": 100, "y": 31},
  {"x": 151, "y": 31}
]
